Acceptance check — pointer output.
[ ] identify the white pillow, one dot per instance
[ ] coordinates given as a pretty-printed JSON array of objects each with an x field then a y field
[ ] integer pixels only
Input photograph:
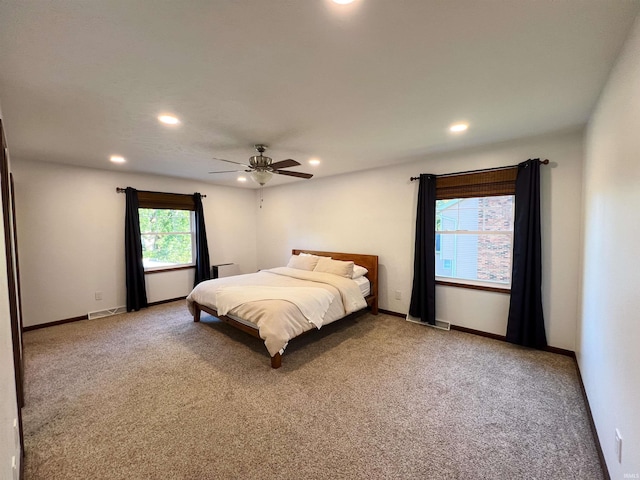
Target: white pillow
[
  {"x": 337, "y": 267},
  {"x": 359, "y": 271},
  {"x": 302, "y": 262},
  {"x": 303, "y": 254}
]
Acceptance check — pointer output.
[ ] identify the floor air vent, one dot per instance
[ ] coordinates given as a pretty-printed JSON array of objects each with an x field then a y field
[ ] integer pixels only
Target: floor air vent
[
  {"x": 107, "y": 313},
  {"x": 440, "y": 324}
]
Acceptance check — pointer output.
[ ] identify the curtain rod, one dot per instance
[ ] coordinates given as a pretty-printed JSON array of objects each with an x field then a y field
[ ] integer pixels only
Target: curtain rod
[
  {"x": 542, "y": 162},
  {"x": 122, "y": 190}
]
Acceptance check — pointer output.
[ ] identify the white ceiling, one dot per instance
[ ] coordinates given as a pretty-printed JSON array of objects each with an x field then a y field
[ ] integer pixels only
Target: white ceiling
[{"x": 370, "y": 84}]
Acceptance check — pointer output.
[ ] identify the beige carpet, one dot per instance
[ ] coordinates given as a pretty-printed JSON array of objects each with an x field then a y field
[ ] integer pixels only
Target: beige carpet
[{"x": 152, "y": 395}]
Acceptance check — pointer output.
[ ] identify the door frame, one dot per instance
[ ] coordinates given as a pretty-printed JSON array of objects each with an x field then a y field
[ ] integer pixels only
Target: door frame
[{"x": 11, "y": 248}]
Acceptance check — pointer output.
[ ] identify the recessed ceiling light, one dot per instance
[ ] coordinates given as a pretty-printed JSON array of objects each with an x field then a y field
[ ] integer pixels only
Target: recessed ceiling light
[
  {"x": 343, "y": 2},
  {"x": 458, "y": 127},
  {"x": 117, "y": 159},
  {"x": 169, "y": 119},
  {"x": 242, "y": 179},
  {"x": 314, "y": 161}
]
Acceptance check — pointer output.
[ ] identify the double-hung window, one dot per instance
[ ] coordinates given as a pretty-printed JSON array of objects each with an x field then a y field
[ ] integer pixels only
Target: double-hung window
[
  {"x": 167, "y": 230},
  {"x": 167, "y": 237},
  {"x": 474, "y": 229}
]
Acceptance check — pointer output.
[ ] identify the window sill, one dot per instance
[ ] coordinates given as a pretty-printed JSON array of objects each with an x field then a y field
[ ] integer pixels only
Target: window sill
[
  {"x": 169, "y": 269},
  {"x": 474, "y": 287}
]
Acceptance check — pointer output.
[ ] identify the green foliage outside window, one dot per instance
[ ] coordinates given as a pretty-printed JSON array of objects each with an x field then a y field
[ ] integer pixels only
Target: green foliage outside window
[{"x": 166, "y": 237}]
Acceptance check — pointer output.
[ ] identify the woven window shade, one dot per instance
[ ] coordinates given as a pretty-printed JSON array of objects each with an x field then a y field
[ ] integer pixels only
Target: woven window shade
[
  {"x": 479, "y": 184},
  {"x": 171, "y": 201}
]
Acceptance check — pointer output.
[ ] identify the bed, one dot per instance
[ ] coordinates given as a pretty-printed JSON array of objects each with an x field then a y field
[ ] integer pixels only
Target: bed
[{"x": 280, "y": 304}]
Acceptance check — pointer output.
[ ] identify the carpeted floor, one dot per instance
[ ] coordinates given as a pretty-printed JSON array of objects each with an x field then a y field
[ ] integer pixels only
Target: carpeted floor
[{"x": 152, "y": 395}]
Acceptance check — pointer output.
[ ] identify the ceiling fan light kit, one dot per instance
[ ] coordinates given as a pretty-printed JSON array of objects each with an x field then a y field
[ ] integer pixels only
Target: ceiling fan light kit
[
  {"x": 261, "y": 168},
  {"x": 261, "y": 177}
]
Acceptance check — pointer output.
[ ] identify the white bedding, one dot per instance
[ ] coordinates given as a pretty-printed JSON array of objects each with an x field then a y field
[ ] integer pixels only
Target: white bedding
[
  {"x": 364, "y": 284},
  {"x": 278, "y": 320},
  {"x": 313, "y": 302}
]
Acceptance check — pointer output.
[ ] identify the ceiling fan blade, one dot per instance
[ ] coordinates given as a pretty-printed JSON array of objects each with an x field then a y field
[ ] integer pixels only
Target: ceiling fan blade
[
  {"x": 231, "y": 171},
  {"x": 231, "y": 161},
  {"x": 285, "y": 164},
  {"x": 293, "y": 174}
]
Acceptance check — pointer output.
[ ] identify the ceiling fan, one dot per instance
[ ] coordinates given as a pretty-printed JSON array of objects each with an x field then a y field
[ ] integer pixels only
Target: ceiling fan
[{"x": 262, "y": 168}]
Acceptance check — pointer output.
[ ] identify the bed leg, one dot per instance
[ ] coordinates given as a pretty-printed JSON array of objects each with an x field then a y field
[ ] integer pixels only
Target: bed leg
[
  {"x": 374, "y": 308},
  {"x": 196, "y": 312},
  {"x": 276, "y": 360}
]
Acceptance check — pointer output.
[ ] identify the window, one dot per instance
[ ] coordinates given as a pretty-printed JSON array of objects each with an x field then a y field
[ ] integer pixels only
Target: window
[
  {"x": 475, "y": 239},
  {"x": 474, "y": 228},
  {"x": 167, "y": 237},
  {"x": 167, "y": 230}
]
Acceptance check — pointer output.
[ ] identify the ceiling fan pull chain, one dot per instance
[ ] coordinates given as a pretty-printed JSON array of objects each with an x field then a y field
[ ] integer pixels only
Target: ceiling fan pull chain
[{"x": 261, "y": 189}]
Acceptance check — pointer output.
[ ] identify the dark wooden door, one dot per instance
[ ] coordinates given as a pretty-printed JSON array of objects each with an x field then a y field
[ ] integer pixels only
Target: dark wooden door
[{"x": 10, "y": 242}]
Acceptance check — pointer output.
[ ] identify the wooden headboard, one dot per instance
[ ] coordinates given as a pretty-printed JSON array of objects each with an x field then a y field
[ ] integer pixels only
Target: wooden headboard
[{"x": 370, "y": 262}]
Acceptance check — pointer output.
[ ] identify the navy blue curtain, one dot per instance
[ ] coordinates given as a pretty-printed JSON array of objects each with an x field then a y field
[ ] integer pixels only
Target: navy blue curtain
[
  {"x": 526, "y": 320},
  {"x": 203, "y": 265},
  {"x": 423, "y": 294},
  {"x": 136, "y": 288}
]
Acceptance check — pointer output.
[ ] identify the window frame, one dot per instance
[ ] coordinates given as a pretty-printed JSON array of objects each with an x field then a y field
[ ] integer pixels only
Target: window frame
[
  {"x": 477, "y": 184},
  {"x": 170, "y": 201},
  {"x": 191, "y": 233}
]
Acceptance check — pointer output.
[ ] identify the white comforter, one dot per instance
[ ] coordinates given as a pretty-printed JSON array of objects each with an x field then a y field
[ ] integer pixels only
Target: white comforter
[
  {"x": 279, "y": 320},
  {"x": 313, "y": 302}
]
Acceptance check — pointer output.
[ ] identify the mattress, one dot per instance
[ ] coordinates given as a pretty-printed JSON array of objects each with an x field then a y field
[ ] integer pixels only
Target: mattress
[{"x": 364, "y": 285}]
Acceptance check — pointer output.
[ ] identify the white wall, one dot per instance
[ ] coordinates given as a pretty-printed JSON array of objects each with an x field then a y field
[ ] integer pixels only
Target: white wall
[
  {"x": 71, "y": 237},
  {"x": 374, "y": 212},
  {"x": 608, "y": 347},
  {"x": 8, "y": 402}
]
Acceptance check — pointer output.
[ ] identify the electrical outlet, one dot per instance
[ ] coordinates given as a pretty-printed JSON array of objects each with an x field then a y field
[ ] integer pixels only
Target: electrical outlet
[
  {"x": 98, "y": 295},
  {"x": 398, "y": 295},
  {"x": 619, "y": 445}
]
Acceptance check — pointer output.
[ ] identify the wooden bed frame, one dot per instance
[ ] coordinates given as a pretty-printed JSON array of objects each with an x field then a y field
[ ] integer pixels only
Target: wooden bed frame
[{"x": 370, "y": 262}]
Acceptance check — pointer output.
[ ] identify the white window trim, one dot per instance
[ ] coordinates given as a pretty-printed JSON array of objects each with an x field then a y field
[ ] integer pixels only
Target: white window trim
[
  {"x": 175, "y": 266},
  {"x": 478, "y": 283}
]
